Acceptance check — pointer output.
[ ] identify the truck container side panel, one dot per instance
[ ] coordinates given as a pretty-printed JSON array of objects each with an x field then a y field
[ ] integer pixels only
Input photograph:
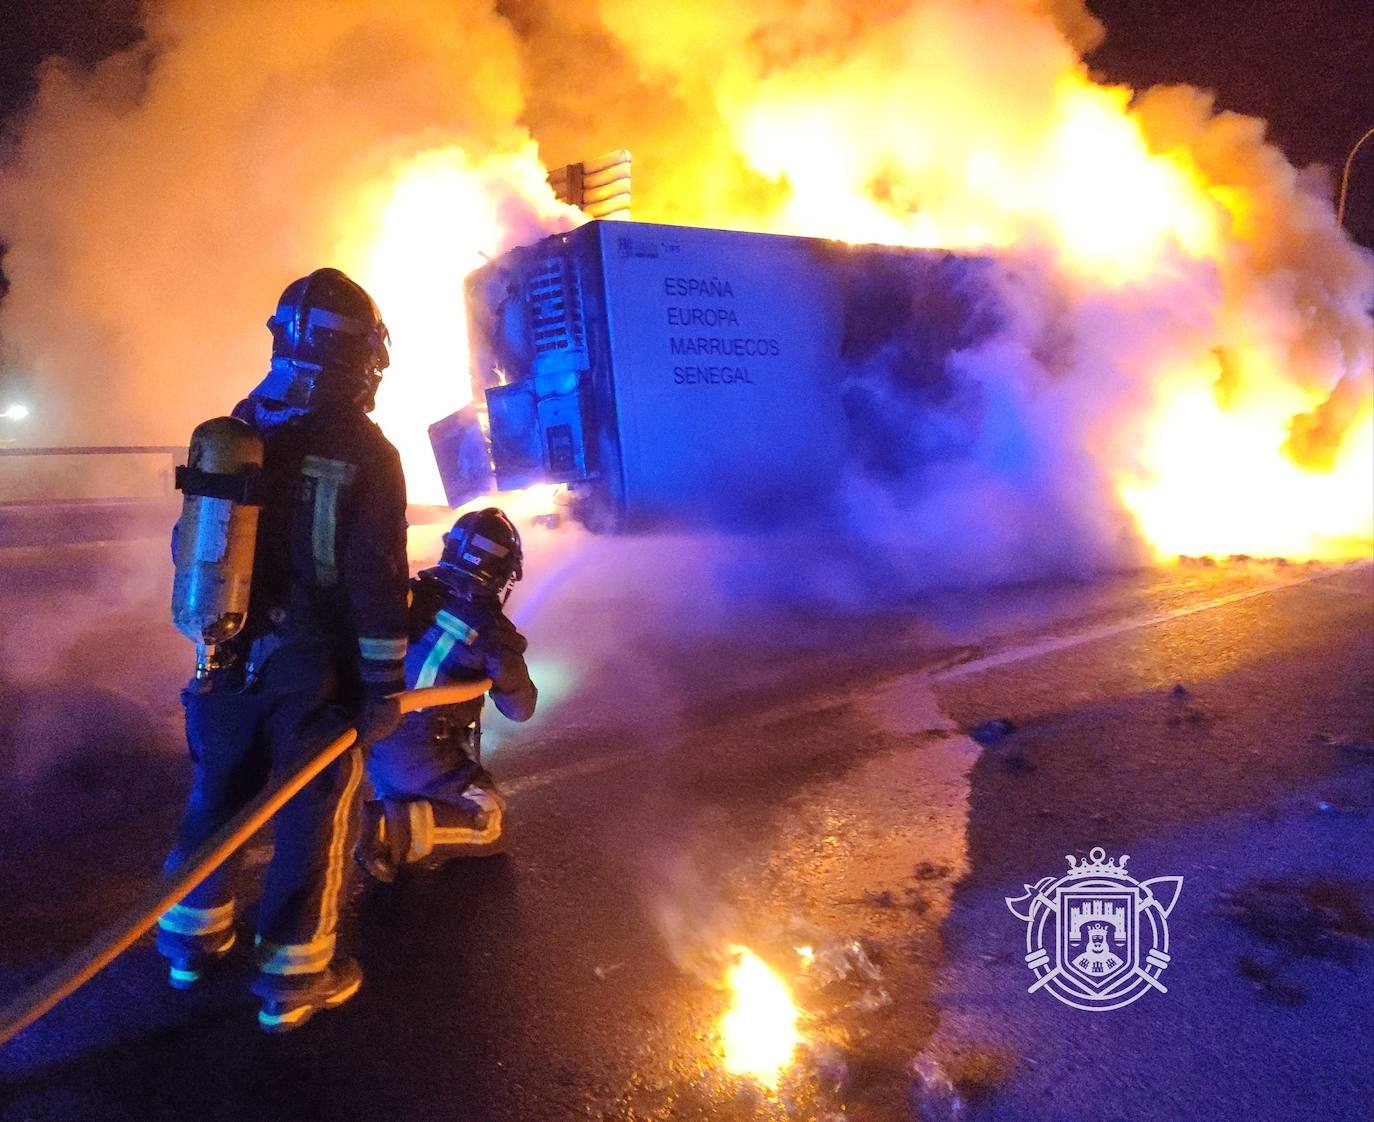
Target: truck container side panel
[
  {"x": 726, "y": 371},
  {"x": 678, "y": 374}
]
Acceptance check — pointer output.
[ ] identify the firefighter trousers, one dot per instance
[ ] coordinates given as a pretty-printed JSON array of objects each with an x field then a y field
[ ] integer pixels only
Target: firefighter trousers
[
  {"x": 433, "y": 798},
  {"x": 238, "y": 740}
]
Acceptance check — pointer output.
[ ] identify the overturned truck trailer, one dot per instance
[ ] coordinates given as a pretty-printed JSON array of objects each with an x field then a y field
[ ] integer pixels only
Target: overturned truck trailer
[{"x": 673, "y": 374}]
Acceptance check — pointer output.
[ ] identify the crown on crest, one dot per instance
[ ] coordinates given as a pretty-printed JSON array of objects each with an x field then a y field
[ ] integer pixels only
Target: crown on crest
[{"x": 1095, "y": 864}]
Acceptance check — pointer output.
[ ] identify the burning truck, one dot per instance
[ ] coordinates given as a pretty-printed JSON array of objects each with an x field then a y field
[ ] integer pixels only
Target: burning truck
[{"x": 682, "y": 374}]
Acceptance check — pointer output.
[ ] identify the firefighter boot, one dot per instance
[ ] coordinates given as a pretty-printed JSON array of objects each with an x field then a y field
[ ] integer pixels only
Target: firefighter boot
[
  {"x": 186, "y": 970},
  {"x": 285, "y": 1008}
]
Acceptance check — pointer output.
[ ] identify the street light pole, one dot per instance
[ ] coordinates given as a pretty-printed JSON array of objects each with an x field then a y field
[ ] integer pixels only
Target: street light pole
[{"x": 1345, "y": 177}]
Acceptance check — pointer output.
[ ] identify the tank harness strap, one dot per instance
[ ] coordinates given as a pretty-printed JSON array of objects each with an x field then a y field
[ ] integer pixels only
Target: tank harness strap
[{"x": 242, "y": 487}]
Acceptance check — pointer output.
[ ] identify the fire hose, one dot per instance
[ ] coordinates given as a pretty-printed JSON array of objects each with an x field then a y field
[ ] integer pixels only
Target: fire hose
[{"x": 115, "y": 939}]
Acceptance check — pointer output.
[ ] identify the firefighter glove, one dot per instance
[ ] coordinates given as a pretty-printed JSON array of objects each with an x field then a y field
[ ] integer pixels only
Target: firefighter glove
[
  {"x": 378, "y": 719},
  {"x": 506, "y": 669}
]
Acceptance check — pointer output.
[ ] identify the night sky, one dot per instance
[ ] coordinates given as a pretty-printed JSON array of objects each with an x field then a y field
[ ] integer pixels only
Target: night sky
[{"x": 1303, "y": 65}]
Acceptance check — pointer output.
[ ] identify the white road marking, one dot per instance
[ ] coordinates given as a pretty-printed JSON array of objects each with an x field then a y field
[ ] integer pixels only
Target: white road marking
[{"x": 1121, "y": 627}]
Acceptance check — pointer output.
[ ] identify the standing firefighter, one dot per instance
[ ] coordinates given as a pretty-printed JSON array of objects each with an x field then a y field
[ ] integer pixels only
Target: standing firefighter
[
  {"x": 322, "y": 645},
  {"x": 433, "y": 795}
]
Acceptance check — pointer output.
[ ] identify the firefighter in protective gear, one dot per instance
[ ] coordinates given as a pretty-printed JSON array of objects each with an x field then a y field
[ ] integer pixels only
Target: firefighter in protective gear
[
  {"x": 323, "y": 646},
  {"x": 433, "y": 796}
]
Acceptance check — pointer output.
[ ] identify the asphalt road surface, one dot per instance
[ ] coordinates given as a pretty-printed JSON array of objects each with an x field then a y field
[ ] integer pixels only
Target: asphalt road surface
[{"x": 704, "y": 774}]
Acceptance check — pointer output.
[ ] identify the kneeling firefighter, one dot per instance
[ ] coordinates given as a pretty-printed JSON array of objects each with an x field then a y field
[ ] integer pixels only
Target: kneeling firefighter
[
  {"x": 433, "y": 796},
  {"x": 318, "y": 645}
]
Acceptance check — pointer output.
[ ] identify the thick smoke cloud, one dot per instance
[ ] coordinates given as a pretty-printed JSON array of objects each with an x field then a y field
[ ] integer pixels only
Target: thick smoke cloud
[{"x": 155, "y": 206}]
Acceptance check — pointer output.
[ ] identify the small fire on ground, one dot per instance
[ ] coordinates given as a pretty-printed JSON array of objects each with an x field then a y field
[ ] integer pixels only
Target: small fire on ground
[{"x": 759, "y": 1032}]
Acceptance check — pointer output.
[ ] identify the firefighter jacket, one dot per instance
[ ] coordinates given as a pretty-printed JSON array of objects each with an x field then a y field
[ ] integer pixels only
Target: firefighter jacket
[
  {"x": 331, "y": 562},
  {"x": 458, "y": 634}
]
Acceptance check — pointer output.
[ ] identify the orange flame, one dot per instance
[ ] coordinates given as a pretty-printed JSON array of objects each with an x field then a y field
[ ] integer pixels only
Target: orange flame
[
  {"x": 415, "y": 237},
  {"x": 759, "y": 1031},
  {"x": 1091, "y": 180},
  {"x": 1216, "y": 480},
  {"x": 1211, "y": 475}
]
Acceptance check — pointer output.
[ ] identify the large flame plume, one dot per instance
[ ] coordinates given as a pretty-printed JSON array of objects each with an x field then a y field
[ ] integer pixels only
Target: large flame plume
[
  {"x": 1162, "y": 235},
  {"x": 759, "y": 1032},
  {"x": 411, "y": 241},
  {"x": 1187, "y": 343}
]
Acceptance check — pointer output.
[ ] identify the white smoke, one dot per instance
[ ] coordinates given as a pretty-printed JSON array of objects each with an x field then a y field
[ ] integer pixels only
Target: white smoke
[{"x": 156, "y": 205}]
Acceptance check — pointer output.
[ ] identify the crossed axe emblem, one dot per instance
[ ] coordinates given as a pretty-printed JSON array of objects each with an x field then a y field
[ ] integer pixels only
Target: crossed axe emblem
[{"x": 1158, "y": 893}]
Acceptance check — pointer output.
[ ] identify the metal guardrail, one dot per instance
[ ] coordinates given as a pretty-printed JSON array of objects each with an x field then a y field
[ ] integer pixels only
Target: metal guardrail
[
  {"x": 72, "y": 520},
  {"x": 41, "y": 522},
  {"x": 174, "y": 450}
]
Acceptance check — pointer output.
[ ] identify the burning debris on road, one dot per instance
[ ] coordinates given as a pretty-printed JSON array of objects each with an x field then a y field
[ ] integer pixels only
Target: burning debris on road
[
  {"x": 759, "y": 1032},
  {"x": 797, "y": 1036}
]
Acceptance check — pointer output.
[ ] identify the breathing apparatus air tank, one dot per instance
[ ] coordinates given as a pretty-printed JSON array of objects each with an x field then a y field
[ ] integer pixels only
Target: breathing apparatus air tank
[{"x": 216, "y": 537}]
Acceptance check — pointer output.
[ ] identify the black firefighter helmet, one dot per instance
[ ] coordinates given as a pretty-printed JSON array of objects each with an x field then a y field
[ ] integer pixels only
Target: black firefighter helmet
[
  {"x": 329, "y": 343},
  {"x": 484, "y": 545}
]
